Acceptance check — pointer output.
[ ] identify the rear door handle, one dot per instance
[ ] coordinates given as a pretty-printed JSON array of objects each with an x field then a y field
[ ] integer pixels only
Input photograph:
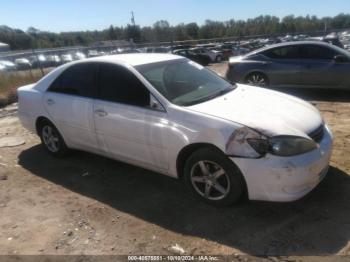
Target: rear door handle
[
  {"x": 50, "y": 101},
  {"x": 100, "y": 112}
]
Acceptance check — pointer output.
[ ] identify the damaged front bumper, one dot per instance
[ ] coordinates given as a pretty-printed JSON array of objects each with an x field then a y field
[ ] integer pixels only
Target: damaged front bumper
[{"x": 283, "y": 179}]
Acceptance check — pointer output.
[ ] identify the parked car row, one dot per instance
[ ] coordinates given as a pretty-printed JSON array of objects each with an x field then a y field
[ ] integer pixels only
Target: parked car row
[
  {"x": 201, "y": 53},
  {"x": 40, "y": 60}
]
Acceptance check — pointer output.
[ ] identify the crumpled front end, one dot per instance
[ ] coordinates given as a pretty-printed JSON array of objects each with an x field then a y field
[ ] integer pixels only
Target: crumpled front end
[{"x": 283, "y": 179}]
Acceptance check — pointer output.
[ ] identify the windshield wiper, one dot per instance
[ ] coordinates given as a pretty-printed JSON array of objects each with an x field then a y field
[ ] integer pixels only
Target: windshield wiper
[
  {"x": 206, "y": 98},
  {"x": 220, "y": 93}
]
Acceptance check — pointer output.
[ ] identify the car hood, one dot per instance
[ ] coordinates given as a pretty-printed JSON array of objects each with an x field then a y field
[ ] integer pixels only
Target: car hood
[{"x": 269, "y": 112}]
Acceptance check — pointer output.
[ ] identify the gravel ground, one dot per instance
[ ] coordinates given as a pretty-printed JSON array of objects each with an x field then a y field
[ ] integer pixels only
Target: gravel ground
[{"x": 87, "y": 204}]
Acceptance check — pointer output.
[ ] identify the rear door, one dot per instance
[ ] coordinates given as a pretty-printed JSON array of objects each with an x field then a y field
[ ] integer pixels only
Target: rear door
[
  {"x": 126, "y": 126},
  {"x": 319, "y": 68},
  {"x": 69, "y": 103},
  {"x": 283, "y": 67}
]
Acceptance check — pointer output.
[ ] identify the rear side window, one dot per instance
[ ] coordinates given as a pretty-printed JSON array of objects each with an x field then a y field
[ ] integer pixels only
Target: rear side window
[
  {"x": 76, "y": 80},
  {"x": 118, "y": 84},
  {"x": 318, "y": 52},
  {"x": 285, "y": 52}
]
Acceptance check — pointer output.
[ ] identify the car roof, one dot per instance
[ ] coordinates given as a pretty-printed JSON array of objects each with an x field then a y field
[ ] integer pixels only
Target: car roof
[
  {"x": 293, "y": 43},
  {"x": 135, "y": 58},
  {"x": 183, "y": 49}
]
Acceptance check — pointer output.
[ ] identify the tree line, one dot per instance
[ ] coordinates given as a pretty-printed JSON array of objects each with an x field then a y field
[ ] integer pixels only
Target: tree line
[{"x": 162, "y": 31}]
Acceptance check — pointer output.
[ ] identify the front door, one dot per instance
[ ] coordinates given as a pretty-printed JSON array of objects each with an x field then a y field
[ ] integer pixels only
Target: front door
[
  {"x": 319, "y": 69},
  {"x": 125, "y": 124}
]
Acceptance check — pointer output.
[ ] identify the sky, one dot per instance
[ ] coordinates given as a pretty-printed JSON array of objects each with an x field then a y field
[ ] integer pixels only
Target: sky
[{"x": 76, "y": 15}]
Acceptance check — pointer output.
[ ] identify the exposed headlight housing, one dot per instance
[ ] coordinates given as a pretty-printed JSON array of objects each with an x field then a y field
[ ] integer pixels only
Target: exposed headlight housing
[{"x": 238, "y": 145}]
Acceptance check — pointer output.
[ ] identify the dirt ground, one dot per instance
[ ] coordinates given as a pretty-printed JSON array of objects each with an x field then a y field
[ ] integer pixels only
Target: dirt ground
[{"x": 87, "y": 204}]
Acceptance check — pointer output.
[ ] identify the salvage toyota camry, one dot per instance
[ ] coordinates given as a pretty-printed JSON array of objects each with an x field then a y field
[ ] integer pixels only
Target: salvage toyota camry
[{"x": 170, "y": 115}]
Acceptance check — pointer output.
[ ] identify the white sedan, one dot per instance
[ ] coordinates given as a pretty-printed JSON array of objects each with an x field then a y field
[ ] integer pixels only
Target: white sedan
[{"x": 173, "y": 116}]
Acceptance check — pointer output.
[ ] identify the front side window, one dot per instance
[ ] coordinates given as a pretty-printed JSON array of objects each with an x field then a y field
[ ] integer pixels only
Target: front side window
[
  {"x": 318, "y": 52},
  {"x": 184, "y": 82},
  {"x": 118, "y": 84},
  {"x": 285, "y": 52},
  {"x": 76, "y": 80}
]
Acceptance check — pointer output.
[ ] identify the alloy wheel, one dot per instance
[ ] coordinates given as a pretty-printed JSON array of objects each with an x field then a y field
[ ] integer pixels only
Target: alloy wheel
[
  {"x": 50, "y": 138},
  {"x": 257, "y": 80},
  {"x": 210, "y": 180}
]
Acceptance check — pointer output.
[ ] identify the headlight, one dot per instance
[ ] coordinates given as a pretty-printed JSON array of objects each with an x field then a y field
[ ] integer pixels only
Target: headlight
[
  {"x": 283, "y": 145},
  {"x": 290, "y": 146}
]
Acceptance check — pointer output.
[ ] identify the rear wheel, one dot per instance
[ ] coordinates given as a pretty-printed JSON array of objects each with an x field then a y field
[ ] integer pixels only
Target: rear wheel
[
  {"x": 213, "y": 177},
  {"x": 52, "y": 139},
  {"x": 257, "y": 79},
  {"x": 218, "y": 59}
]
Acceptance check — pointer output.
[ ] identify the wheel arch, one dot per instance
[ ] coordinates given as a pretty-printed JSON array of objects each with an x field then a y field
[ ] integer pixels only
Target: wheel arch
[
  {"x": 40, "y": 120},
  {"x": 185, "y": 153}
]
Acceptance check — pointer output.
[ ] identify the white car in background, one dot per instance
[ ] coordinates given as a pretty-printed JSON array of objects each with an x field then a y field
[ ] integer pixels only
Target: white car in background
[
  {"x": 7, "y": 65},
  {"x": 23, "y": 63},
  {"x": 79, "y": 56},
  {"x": 214, "y": 55},
  {"x": 66, "y": 58},
  {"x": 173, "y": 116}
]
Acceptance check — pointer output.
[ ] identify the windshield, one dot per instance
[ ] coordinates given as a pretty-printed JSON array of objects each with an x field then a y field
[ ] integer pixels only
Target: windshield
[
  {"x": 342, "y": 51},
  {"x": 184, "y": 82}
]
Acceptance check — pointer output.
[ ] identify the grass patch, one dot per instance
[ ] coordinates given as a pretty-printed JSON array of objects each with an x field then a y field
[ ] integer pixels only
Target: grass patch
[{"x": 10, "y": 81}]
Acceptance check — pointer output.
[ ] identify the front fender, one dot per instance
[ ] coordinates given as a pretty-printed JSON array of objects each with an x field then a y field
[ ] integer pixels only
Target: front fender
[{"x": 196, "y": 128}]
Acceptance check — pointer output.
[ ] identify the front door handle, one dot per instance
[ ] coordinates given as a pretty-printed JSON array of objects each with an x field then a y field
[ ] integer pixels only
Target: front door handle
[
  {"x": 50, "y": 101},
  {"x": 101, "y": 112}
]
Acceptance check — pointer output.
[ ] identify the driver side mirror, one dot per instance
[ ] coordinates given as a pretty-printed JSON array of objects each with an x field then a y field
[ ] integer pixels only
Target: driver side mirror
[
  {"x": 155, "y": 104},
  {"x": 340, "y": 59}
]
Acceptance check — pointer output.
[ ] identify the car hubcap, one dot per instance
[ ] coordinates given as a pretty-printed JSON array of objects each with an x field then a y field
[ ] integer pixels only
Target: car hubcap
[
  {"x": 210, "y": 180},
  {"x": 257, "y": 80},
  {"x": 50, "y": 138}
]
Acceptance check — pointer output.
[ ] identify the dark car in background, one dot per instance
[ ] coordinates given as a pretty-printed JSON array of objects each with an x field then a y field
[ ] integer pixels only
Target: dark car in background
[
  {"x": 201, "y": 59},
  {"x": 294, "y": 64},
  {"x": 333, "y": 40},
  {"x": 178, "y": 47}
]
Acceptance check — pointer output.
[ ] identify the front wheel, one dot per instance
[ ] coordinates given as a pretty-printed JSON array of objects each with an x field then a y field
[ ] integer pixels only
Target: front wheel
[
  {"x": 213, "y": 177},
  {"x": 257, "y": 79}
]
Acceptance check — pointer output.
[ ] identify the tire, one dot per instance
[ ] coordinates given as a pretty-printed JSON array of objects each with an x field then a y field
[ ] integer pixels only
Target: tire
[
  {"x": 224, "y": 183},
  {"x": 257, "y": 79},
  {"x": 52, "y": 140},
  {"x": 218, "y": 59}
]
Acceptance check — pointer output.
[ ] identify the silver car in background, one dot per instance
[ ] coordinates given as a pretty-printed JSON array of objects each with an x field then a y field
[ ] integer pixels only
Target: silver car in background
[{"x": 294, "y": 64}]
